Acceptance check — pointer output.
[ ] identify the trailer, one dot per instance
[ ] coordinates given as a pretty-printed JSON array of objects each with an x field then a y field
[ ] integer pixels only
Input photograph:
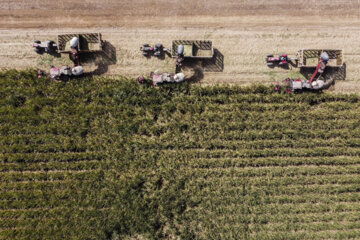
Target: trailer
[
  {"x": 309, "y": 58},
  {"x": 88, "y": 42},
  {"x": 193, "y": 48}
]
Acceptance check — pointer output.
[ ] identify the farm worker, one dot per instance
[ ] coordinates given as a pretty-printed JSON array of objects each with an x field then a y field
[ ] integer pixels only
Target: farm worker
[
  {"x": 74, "y": 45},
  {"x": 180, "y": 55},
  {"x": 324, "y": 58}
]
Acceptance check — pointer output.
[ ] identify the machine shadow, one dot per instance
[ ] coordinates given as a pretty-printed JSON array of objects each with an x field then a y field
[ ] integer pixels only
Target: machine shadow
[
  {"x": 337, "y": 73},
  {"x": 197, "y": 76},
  {"x": 55, "y": 54},
  {"x": 287, "y": 66},
  {"x": 101, "y": 69},
  {"x": 101, "y": 59},
  {"x": 214, "y": 64}
]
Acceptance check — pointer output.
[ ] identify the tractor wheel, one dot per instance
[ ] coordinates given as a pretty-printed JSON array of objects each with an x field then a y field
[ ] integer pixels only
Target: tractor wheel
[
  {"x": 38, "y": 50},
  {"x": 64, "y": 78},
  {"x": 270, "y": 64},
  {"x": 146, "y": 45},
  {"x": 158, "y": 45},
  {"x": 52, "y": 48},
  {"x": 270, "y": 55},
  {"x": 37, "y": 41}
]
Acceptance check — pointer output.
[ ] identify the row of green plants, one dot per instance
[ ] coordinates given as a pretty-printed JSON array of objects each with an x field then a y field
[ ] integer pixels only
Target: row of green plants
[{"x": 105, "y": 158}]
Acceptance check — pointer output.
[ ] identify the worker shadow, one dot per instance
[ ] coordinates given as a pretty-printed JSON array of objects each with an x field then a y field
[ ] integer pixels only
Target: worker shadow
[
  {"x": 102, "y": 59},
  {"x": 337, "y": 73}
]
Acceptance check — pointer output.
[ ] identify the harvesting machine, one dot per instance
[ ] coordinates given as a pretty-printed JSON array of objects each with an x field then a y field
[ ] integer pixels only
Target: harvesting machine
[{"x": 158, "y": 78}]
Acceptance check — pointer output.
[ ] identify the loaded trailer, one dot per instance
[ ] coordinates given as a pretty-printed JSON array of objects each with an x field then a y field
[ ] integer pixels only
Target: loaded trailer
[
  {"x": 88, "y": 42},
  {"x": 311, "y": 57},
  {"x": 192, "y": 48}
]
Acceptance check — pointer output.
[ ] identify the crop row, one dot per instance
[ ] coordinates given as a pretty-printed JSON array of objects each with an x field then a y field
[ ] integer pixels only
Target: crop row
[
  {"x": 78, "y": 175},
  {"x": 260, "y": 199},
  {"x": 239, "y": 227},
  {"x": 42, "y": 185},
  {"x": 63, "y": 199},
  {"x": 208, "y": 144},
  {"x": 50, "y": 213},
  {"x": 263, "y": 153},
  {"x": 174, "y": 115},
  {"x": 39, "y": 139},
  {"x": 319, "y": 235},
  {"x": 51, "y": 195},
  {"x": 278, "y": 171},
  {"x": 52, "y": 166},
  {"x": 276, "y": 182},
  {"x": 273, "y": 209},
  {"x": 255, "y": 217},
  {"x": 48, "y": 157},
  {"x": 270, "y": 161},
  {"x": 57, "y": 230},
  {"x": 164, "y": 143},
  {"x": 293, "y": 190},
  {"x": 181, "y": 105},
  {"x": 45, "y": 148}
]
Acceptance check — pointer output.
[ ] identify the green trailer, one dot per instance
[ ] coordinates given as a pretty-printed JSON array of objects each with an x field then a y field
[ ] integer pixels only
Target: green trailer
[{"x": 88, "y": 42}]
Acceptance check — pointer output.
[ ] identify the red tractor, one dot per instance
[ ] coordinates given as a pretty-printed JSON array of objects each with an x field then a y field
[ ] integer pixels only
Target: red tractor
[
  {"x": 158, "y": 50},
  {"x": 282, "y": 60}
]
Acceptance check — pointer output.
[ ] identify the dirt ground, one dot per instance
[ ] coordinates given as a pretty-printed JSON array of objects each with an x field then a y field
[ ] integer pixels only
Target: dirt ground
[{"x": 243, "y": 33}]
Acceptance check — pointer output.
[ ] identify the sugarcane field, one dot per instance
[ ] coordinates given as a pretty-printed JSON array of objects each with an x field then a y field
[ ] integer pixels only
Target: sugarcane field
[{"x": 194, "y": 120}]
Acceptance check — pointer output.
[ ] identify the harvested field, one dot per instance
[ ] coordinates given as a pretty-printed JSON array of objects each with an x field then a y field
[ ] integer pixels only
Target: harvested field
[{"x": 244, "y": 32}]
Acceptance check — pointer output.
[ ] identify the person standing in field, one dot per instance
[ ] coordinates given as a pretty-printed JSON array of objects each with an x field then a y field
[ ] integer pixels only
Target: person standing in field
[{"x": 74, "y": 55}]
